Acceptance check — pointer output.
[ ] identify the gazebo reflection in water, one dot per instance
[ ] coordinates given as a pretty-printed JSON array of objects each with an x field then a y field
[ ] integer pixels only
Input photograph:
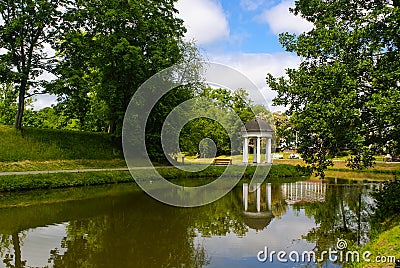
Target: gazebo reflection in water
[
  {"x": 257, "y": 203},
  {"x": 263, "y": 202}
]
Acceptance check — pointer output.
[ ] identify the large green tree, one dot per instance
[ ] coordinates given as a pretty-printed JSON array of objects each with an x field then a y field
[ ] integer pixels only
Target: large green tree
[
  {"x": 26, "y": 27},
  {"x": 345, "y": 93},
  {"x": 111, "y": 47}
]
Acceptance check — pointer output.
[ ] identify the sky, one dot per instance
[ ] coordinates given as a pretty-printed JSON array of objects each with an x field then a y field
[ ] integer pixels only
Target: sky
[{"x": 242, "y": 34}]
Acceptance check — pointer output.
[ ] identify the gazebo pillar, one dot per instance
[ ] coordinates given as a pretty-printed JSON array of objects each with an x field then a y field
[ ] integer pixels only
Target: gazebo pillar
[
  {"x": 246, "y": 150},
  {"x": 268, "y": 157},
  {"x": 255, "y": 151},
  {"x": 258, "y": 150}
]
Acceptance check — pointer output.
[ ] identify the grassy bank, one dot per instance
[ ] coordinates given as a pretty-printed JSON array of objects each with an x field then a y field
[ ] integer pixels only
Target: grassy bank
[
  {"x": 383, "y": 249},
  {"x": 380, "y": 171},
  {"x": 61, "y": 180},
  {"x": 47, "y": 144},
  {"x": 28, "y": 165}
]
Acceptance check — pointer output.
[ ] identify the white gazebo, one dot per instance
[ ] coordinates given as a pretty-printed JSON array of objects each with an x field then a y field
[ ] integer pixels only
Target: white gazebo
[{"x": 254, "y": 131}]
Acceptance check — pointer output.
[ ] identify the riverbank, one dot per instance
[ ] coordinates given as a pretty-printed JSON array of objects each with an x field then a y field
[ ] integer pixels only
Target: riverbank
[
  {"x": 381, "y": 170},
  {"x": 46, "y": 149},
  {"x": 384, "y": 249},
  {"x": 13, "y": 183},
  {"x": 49, "y": 165}
]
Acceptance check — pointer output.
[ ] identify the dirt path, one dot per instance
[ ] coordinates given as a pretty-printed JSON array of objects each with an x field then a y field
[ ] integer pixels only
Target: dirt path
[{"x": 33, "y": 172}]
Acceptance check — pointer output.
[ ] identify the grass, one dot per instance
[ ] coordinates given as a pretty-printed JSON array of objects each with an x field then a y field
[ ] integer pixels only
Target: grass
[
  {"x": 45, "y": 149},
  {"x": 380, "y": 171},
  {"x": 61, "y": 180},
  {"x": 47, "y": 144},
  {"x": 28, "y": 165},
  {"x": 385, "y": 245},
  {"x": 14, "y": 183}
]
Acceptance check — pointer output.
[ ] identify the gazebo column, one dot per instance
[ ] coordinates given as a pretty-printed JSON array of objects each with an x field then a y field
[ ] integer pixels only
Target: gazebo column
[
  {"x": 254, "y": 151},
  {"x": 258, "y": 150},
  {"x": 268, "y": 156},
  {"x": 245, "y": 195},
  {"x": 246, "y": 150},
  {"x": 258, "y": 193}
]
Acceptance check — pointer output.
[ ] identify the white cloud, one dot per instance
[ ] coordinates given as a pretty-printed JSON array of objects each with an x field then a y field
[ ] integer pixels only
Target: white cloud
[
  {"x": 256, "y": 66},
  {"x": 43, "y": 101},
  {"x": 251, "y": 5},
  {"x": 281, "y": 20},
  {"x": 205, "y": 20}
]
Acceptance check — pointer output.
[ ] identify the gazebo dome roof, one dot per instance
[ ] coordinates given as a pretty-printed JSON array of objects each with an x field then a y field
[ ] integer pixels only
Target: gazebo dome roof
[
  {"x": 257, "y": 221},
  {"x": 258, "y": 125}
]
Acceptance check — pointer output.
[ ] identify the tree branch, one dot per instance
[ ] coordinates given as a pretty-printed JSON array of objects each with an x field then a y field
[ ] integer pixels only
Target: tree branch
[{"x": 34, "y": 94}]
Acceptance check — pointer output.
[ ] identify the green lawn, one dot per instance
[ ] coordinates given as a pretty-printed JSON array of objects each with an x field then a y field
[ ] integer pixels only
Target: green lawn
[
  {"x": 28, "y": 165},
  {"x": 386, "y": 245},
  {"x": 46, "y": 144}
]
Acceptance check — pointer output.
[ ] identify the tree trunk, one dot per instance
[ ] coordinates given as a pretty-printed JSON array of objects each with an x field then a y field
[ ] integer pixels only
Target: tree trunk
[
  {"x": 359, "y": 218},
  {"x": 112, "y": 127},
  {"x": 21, "y": 107},
  {"x": 17, "y": 250},
  {"x": 343, "y": 215},
  {"x": 21, "y": 102}
]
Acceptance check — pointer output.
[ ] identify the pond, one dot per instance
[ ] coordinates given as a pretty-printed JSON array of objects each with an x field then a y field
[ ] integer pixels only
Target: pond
[{"x": 120, "y": 226}]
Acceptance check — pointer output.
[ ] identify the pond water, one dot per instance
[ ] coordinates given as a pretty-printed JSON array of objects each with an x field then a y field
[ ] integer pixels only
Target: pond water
[{"x": 120, "y": 226}]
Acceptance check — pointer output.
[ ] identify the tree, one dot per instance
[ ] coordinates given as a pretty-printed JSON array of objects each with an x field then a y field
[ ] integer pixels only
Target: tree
[
  {"x": 224, "y": 106},
  {"x": 111, "y": 47},
  {"x": 285, "y": 132},
  {"x": 345, "y": 93},
  {"x": 26, "y": 27}
]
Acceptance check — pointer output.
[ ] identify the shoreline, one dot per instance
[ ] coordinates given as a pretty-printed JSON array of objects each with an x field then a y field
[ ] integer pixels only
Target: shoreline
[
  {"x": 28, "y": 175},
  {"x": 31, "y": 180}
]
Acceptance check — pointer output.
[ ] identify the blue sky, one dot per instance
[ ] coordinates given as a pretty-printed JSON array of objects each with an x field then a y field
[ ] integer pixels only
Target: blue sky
[
  {"x": 248, "y": 26},
  {"x": 248, "y": 32},
  {"x": 244, "y": 35}
]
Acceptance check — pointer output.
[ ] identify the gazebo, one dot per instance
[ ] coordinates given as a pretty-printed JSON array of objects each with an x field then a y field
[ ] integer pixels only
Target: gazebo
[{"x": 253, "y": 132}]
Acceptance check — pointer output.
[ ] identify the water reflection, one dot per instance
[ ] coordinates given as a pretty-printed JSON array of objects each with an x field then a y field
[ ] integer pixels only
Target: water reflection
[
  {"x": 122, "y": 227},
  {"x": 265, "y": 201}
]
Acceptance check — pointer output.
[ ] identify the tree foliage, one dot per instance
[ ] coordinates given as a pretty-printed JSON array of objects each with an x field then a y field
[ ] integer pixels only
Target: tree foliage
[
  {"x": 387, "y": 201},
  {"x": 111, "y": 47},
  {"x": 226, "y": 104},
  {"x": 345, "y": 93},
  {"x": 26, "y": 27},
  {"x": 8, "y": 105}
]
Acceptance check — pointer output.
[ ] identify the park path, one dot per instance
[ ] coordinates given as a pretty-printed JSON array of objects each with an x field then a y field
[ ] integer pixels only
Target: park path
[{"x": 34, "y": 172}]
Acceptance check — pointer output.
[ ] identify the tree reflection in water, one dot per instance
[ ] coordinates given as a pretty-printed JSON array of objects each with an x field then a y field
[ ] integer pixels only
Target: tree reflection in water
[
  {"x": 129, "y": 229},
  {"x": 344, "y": 214}
]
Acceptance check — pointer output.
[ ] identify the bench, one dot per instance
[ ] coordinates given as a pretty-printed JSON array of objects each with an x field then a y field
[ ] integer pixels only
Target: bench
[{"x": 222, "y": 161}]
